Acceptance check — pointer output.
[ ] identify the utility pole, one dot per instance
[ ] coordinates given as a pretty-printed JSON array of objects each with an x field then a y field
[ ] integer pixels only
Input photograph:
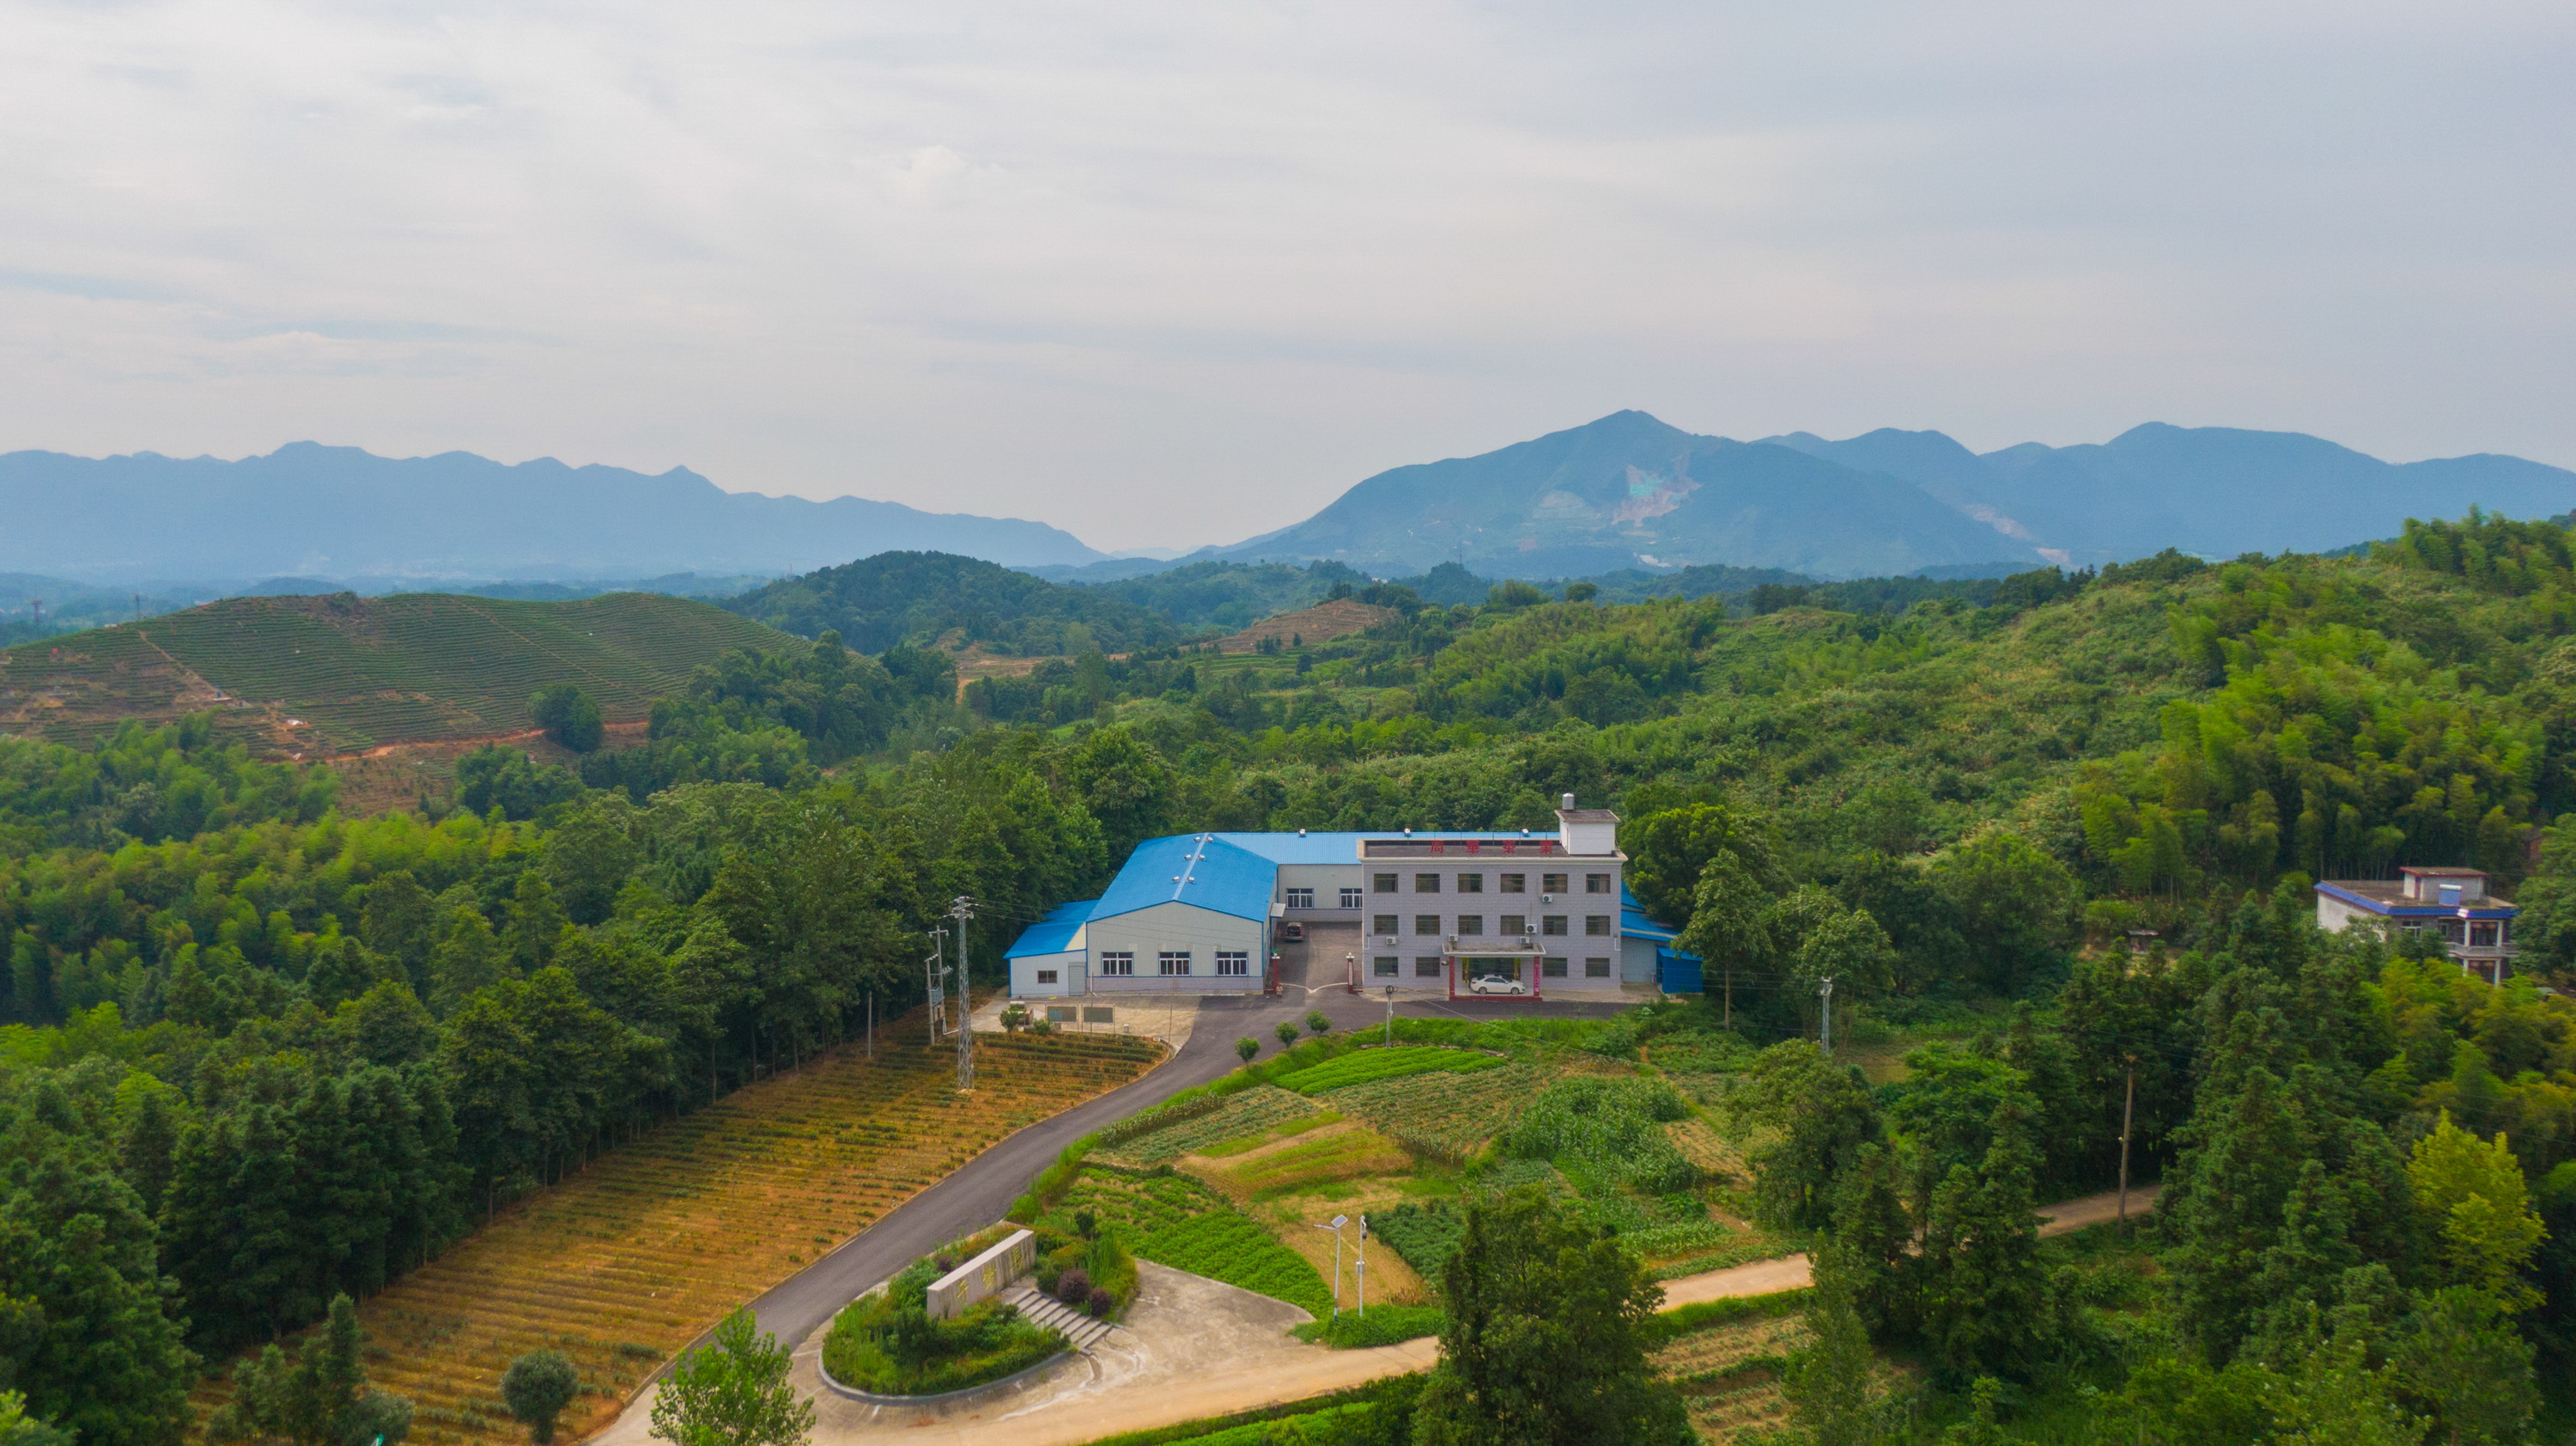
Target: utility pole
[
  {"x": 1827, "y": 992},
  {"x": 872, "y": 1024},
  {"x": 935, "y": 965},
  {"x": 963, "y": 910},
  {"x": 1727, "y": 1020},
  {"x": 2128, "y": 1113},
  {"x": 1360, "y": 1265}
]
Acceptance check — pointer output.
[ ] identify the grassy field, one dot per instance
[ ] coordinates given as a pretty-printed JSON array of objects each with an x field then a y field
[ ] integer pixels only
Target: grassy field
[
  {"x": 338, "y": 674},
  {"x": 1396, "y": 1132},
  {"x": 625, "y": 1262}
]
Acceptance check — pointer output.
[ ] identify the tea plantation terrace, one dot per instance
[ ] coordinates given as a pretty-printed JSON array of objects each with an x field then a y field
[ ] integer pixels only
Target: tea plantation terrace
[{"x": 1206, "y": 913}]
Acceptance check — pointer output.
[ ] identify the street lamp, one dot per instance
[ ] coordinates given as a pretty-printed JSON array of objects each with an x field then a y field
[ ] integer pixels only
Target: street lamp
[
  {"x": 1390, "y": 1038},
  {"x": 1336, "y": 1227}
]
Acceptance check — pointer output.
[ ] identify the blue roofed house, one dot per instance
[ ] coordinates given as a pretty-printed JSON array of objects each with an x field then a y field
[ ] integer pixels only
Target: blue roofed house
[
  {"x": 2476, "y": 926},
  {"x": 1201, "y": 913}
]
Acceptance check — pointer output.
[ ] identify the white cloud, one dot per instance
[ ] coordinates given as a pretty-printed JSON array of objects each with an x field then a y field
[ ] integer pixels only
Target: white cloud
[{"x": 1169, "y": 273}]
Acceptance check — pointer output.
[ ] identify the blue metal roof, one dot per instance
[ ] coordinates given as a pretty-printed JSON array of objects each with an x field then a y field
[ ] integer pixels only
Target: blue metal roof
[
  {"x": 1344, "y": 848},
  {"x": 1054, "y": 933},
  {"x": 1205, "y": 870},
  {"x": 2484, "y": 909},
  {"x": 1633, "y": 923}
]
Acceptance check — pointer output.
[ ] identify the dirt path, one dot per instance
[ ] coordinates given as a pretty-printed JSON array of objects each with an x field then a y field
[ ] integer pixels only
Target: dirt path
[{"x": 1789, "y": 1272}]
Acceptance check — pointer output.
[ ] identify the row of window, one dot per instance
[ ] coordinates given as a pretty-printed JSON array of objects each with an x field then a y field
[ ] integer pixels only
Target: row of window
[
  {"x": 1122, "y": 965},
  {"x": 1427, "y": 966},
  {"x": 1475, "y": 884},
  {"x": 1473, "y": 925},
  {"x": 1305, "y": 898}
]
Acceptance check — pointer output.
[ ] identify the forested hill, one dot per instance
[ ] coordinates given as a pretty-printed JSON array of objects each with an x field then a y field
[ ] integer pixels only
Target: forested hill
[
  {"x": 339, "y": 672},
  {"x": 225, "y": 1001},
  {"x": 940, "y": 599}
]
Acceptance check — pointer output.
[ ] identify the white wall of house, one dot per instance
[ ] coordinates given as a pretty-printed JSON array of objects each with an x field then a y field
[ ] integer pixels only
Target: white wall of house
[
  {"x": 2335, "y": 915},
  {"x": 1029, "y": 971},
  {"x": 1203, "y": 933},
  {"x": 1327, "y": 880}
]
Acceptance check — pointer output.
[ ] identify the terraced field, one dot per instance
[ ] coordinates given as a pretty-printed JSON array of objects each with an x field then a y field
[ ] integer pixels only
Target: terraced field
[
  {"x": 339, "y": 674},
  {"x": 622, "y": 1264},
  {"x": 1730, "y": 1374}
]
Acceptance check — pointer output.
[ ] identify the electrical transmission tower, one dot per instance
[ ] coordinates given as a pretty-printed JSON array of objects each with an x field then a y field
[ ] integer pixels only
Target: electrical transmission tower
[{"x": 963, "y": 911}]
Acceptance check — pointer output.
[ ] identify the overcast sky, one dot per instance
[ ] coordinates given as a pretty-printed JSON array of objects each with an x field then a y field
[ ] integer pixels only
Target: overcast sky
[{"x": 1176, "y": 273}]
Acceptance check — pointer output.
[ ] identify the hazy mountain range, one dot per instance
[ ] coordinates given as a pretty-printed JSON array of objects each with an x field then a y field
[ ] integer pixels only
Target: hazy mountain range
[
  {"x": 1629, "y": 490},
  {"x": 1624, "y": 492},
  {"x": 339, "y": 513}
]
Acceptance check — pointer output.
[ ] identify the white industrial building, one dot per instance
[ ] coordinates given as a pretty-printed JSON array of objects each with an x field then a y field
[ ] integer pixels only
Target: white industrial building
[{"x": 1200, "y": 913}]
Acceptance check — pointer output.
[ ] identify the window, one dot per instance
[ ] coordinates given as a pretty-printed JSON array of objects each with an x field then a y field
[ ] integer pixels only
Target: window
[
  {"x": 1596, "y": 968},
  {"x": 1382, "y": 883},
  {"x": 1515, "y": 924},
  {"x": 1046, "y": 976},
  {"x": 1350, "y": 898},
  {"x": 1514, "y": 883},
  {"x": 1384, "y": 966},
  {"x": 1301, "y": 898},
  {"x": 2482, "y": 934},
  {"x": 1061, "y": 1013},
  {"x": 1471, "y": 883},
  {"x": 1426, "y": 966},
  {"x": 1383, "y": 924},
  {"x": 1551, "y": 883},
  {"x": 1552, "y": 924},
  {"x": 1227, "y": 962},
  {"x": 1120, "y": 965},
  {"x": 1426, "y": 923},
  {"x": 1596, "y": 883},
  {"x": 1172, "y": 961},
  {"x": 1471, "y": 923},
  {"x": 1554, "y": 969},
  {"x": 1597, "y": 925},
  {"x": 1426, "y": 883}
]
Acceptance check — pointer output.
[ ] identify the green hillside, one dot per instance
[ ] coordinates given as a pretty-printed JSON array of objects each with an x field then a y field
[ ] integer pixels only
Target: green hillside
[
  {"x": 340, "y": 672},
  {"x": 939, "y": 599}
]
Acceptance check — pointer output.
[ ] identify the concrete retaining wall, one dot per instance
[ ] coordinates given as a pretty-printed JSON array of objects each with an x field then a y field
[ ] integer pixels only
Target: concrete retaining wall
[{"x": 983, "y": 1277}]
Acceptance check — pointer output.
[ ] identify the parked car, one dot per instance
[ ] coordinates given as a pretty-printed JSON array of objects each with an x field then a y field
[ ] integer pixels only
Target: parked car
[
  {"x": 1292, "y": 933},
  {"x": 1496, "y": 984}
]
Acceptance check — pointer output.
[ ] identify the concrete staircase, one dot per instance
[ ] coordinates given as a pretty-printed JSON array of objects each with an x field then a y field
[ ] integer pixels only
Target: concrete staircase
[{"x": 1046, "y": 1310}]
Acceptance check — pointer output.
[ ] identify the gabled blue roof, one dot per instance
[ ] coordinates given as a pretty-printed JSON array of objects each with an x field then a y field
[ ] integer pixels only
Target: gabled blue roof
[
  {"x": 1344, "y": 848},
  {"x": 1634, "y": 924},
  {"x": 1054, "y": 933},
  {"x": 1205, "y": 870}
]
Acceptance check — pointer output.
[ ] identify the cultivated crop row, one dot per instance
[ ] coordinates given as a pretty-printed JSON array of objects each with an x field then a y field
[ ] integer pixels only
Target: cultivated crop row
[
  {"x": 1367, "y": 1066},
  {"x": 627, "y": 1260},
  {"x": 1250, "y": 1112}
]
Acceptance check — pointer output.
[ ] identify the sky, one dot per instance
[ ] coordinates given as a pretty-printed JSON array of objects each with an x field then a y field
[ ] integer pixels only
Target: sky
[{"x": 1169, "y": 274}]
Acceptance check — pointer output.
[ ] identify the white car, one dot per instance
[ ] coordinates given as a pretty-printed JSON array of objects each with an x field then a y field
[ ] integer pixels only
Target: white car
[{"x": 1496, "y": 984}]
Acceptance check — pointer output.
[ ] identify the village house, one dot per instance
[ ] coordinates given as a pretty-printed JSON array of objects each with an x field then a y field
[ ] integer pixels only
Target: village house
[{"x": 2476, "y": 927}]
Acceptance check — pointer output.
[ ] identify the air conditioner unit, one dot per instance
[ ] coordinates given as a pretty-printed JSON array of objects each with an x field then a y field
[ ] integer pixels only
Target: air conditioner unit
[{"x": 1547, "y": 898}]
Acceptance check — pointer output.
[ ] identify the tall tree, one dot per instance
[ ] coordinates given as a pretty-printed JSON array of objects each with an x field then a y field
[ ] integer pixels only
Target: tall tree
[
  {"x": 732, "y": 1391},
  {"x": 1546, "y": 1342}
]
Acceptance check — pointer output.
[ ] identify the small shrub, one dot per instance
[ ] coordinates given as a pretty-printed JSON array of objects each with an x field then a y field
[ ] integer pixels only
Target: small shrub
[
  {"x": 1074, "y": 1286},
  {"x": 1287, "y": 1032},
  {"x": 537, "y": 1387},
  {"x": 1246, "y": 1048},
  {"x": 1316, "y": 1021},
  {"x": 1086, "y": 1224},
  {"x": 1102, "y": 1303}
]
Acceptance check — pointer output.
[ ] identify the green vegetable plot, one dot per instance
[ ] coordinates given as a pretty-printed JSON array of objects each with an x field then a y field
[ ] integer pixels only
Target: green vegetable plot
[{"x": 1367, "y": 1066}]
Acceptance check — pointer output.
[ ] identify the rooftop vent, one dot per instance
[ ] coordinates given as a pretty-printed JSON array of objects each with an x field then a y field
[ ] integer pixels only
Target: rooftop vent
[{"x": 1569, "y": 801}]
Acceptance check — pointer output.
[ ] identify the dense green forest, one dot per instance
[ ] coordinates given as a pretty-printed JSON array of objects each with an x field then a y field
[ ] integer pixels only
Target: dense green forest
[{"x": 229, "y": 1001}]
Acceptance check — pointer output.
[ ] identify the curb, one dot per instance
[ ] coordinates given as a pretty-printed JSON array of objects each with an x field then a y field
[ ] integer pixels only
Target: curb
[{"x": 958, "y": 1397}]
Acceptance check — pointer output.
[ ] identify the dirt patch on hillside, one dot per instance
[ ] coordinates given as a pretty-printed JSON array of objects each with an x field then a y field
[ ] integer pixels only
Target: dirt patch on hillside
[
  {"x": 1307, "y": 626},
  {"x": 400, "y": 775}
]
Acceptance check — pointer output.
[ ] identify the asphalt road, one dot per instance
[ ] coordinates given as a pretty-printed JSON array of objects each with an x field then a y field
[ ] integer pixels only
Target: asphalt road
[{"x": 984, "y": 1187}]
